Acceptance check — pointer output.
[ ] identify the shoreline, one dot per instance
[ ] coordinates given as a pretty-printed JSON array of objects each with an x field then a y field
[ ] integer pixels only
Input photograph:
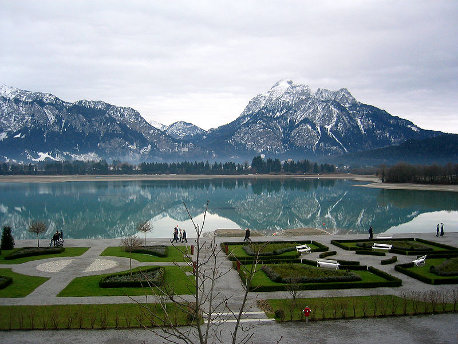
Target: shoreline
[{"x": 374, "y": 182}]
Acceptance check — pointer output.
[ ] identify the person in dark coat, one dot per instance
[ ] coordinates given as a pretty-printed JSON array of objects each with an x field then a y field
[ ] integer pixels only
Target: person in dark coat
[
  {"x": 185, "y": 239},
  {"x": 437, "y": 230},
  {"x": 442, "y": 229},
  {"x": 371, "y": 233},
  {"x": 175, "y": 234},
  {"x": 247, "y": 234}
]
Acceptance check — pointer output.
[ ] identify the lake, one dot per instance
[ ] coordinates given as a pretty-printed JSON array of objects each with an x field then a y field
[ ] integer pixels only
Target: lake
[{"x": 113, "y": 209}]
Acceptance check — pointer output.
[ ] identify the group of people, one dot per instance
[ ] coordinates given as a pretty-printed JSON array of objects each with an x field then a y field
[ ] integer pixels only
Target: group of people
[
  {"x": 179, "y": 235},
  {"x": 441, "y": 232},
  {"x": 57, "y": 239}
]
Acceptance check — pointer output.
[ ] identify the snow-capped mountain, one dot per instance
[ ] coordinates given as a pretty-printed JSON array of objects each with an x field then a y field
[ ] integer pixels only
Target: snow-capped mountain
[
  {"x": 290, "y": 120},
  {"x": 287, "y": 121},
  {"x": 184, "y": 131},
  {"x": 157, "y": 125},
  {"x": 35, "y": 126}
]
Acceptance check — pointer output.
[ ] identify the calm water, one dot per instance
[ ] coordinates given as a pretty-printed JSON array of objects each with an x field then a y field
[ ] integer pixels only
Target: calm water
[{"x": 113, "y": 209}]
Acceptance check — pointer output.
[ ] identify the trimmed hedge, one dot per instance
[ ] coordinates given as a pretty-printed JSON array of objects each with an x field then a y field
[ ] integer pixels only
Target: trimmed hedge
[
  {"x": 150, "y": 277},
  {"x": 249, "y": 250},
  {"x": 391, "y": 260},
  {"x": 34, "y": 251},
  {"x": 327, "y": 254},
  {"x": 156, "y": 250},
  {"x": 5, "y": 281}
]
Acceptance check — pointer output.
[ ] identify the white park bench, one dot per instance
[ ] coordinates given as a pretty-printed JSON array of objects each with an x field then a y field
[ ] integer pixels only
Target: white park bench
[
  {"x": 381, "y": 246},
  {"x": 327, "y": 263},
  {"x": 384, "y": 237},
  {"x": 419, "y": 261},
  {"x": 303, "y": 249}
]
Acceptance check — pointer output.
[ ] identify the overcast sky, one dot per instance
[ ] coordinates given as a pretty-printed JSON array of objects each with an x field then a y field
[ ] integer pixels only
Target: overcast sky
[{"x": 202, "y": 61}]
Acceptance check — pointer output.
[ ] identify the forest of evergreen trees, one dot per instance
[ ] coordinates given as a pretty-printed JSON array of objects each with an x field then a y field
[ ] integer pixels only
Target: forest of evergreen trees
[
  {"x": 258, "y": 166},
  {"x": 421, "y": 174}
]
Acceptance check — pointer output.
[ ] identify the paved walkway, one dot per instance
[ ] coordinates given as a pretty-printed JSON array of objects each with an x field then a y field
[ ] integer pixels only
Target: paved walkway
[{"x": 62, "y": 270}]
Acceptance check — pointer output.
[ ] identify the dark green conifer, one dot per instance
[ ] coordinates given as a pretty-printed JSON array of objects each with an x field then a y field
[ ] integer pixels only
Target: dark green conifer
[{"x": 7, "y": 239}]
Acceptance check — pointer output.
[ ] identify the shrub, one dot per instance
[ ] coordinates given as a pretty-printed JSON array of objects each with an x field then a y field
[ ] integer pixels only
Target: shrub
[
  {"x": 280, "y": 314},
  {"x": 5, "y": 281},
  {"x": 34, "y": 251},
  {"x": 370, "y": 253},
  {"x": 157, "y": 250},
  {"x": 327, "y": 254},
  {"x": 150, "y": 277},
  {"x": 7, "y": 239},
  {"x": 389, "y": 260}
]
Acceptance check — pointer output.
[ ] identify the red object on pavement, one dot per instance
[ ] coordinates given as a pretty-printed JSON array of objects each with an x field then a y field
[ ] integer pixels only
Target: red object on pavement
[{"x": 307, "y": 311}]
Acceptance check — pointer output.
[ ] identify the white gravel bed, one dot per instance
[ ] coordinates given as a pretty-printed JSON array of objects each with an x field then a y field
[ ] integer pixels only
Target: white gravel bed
[
  {"x": 101, "y": 264},
  {"x": 54, "y": 266}
]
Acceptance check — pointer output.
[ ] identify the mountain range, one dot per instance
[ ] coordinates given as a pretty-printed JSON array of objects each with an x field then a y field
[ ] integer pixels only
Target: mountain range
[{"x": 287, "y": 121}]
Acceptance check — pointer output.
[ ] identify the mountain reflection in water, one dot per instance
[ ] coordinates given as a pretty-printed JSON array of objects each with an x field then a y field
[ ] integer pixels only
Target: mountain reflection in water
[{"x": 113, "y": 209}]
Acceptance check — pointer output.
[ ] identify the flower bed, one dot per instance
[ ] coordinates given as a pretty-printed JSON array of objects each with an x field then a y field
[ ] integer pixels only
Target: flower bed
[
  {"x": 157, "y": 250},
  {"x": 424, "y": 274},
  {"x": 301, "y": 273},
  {"x": 150, "y": 277}
]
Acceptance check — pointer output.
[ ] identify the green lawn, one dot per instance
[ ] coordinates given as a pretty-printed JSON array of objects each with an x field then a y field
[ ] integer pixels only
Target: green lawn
[
  {"x": 351, "y": 307},
  {"x": 129, "y": 315},
  {"x": 22, "y": 285},
  {"x": 174, "y": 254},
  {"x": 69, "y": 252},
  {"x": 174, "y": 279},
  {"x": 400, "y": 244}
]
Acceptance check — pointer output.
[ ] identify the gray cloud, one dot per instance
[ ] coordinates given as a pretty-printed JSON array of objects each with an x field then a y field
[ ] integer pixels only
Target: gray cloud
[{"x": 201, "y": 61}]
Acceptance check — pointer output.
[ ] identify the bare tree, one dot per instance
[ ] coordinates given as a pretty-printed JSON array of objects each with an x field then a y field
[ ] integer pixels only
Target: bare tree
[
  {"x": 129, "y": 244},
  {"x": 144, "y": 227},
  {"x": 209, "y": 302},
  {"x": 37, "y": 227}
]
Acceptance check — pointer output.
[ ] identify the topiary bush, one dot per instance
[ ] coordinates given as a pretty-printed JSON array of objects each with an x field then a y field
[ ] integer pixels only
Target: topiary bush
[
  {"x": 150, "y": 277},
  {"x": 391, "y": 260},
  {"x": 327, "y": 254},
  {"x": 5, "y": 281},
  {"x": 34, "y": 251},
  {"x": 7, "y": 239}
]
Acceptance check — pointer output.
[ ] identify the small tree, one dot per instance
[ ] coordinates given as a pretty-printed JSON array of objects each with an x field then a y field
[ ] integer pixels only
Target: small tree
[
  {"x": 7, "y": 239},
  {"x": 144, "y": 227},
  {"x": 37, "y": 227},
  {"x": 129, "y": 244}
]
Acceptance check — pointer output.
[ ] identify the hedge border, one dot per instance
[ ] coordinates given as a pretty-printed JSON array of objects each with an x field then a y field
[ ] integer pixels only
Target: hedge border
[
  {"x": 105, "y": 283},
  {"x": 5, "y": 281},
  {"x": 391, "y": 281},
  {"x": 451, "y": 251},
  {"x": 404, "y": 268},
  {"x": 327, "y": 254},
  {"x": 147, "y": 250},
  {"x": 38, "y": 251},
  {"x": 391, "y": 260}
]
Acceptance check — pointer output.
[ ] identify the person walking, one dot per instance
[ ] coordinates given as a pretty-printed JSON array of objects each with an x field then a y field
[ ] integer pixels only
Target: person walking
[
  {"x": 175, "y": 234},
  {"x": 247, "y": 235},
  {"x": 184, "y": 236},
  {"x": 371, "y": 233},
  {"x": 181, "y": 236},
  {"x": 437, "y": 230},
  {"x": 442, "y": 229}
]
